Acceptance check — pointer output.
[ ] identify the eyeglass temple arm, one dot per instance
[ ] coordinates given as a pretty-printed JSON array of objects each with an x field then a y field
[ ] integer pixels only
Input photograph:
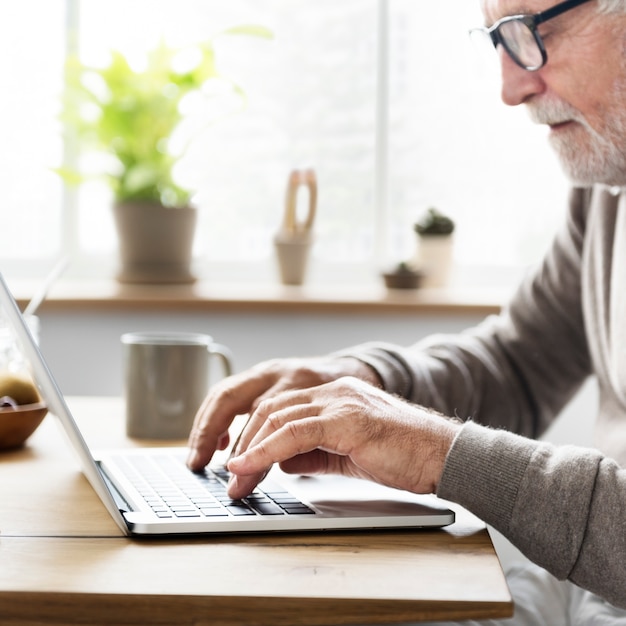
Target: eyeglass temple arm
[{"x": 554, "y": 11}]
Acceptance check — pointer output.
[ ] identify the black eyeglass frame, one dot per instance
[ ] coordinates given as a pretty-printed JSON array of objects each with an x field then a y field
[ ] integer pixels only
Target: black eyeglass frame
[{"x": 531, "y": 22}]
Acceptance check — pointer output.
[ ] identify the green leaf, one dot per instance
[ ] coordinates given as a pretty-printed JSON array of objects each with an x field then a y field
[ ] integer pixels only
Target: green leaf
[
  {"x": 70, "y": 177},
  {"x": 250, "y": 29}
]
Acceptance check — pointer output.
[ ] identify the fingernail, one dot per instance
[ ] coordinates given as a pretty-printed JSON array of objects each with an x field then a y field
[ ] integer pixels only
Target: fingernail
[
  {"x": 232, "y": 483},
  {"x": 192, "y": 458},
  {"x": 234, "y": 461}
]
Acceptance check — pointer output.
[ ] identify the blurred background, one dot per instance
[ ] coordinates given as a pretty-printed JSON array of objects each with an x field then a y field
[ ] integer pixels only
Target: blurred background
[{"x": 385, "y": 99}]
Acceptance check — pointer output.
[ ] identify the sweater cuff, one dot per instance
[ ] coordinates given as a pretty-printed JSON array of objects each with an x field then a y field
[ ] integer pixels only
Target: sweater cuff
[
  {"x": 536, "y": 494},
  {"x": 483, "y": 472}
]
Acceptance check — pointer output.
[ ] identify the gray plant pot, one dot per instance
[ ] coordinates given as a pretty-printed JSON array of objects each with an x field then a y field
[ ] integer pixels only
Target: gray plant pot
[{"x": 155, "y": 243}]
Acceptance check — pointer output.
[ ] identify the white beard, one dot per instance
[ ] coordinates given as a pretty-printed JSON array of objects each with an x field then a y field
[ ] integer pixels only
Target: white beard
[{"x": 600, "y": 158}]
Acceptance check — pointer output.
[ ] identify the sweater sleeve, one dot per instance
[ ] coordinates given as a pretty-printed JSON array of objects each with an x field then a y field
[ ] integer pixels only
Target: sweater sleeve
[
  {"x": 563, "y": 507},
  {"x": 515, "y": 370}
]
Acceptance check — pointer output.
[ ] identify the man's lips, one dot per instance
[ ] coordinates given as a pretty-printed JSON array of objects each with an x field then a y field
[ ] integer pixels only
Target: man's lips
[{"x": 555, "y": 127}]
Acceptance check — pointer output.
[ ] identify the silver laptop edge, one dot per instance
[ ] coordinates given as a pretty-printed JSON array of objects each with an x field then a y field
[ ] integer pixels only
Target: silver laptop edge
[{"x": 53, "y": 397}]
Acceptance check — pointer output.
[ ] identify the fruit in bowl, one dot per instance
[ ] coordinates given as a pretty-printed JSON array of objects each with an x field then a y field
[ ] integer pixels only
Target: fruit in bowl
[{"x": 21, "y": 409}]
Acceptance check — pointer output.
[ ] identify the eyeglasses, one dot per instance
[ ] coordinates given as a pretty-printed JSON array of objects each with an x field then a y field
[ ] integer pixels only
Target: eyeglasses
[{"x": 519, "y": 36}]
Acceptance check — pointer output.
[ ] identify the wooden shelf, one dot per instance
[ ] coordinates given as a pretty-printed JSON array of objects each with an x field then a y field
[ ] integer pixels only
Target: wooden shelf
[{"x": 201, "y": 296}]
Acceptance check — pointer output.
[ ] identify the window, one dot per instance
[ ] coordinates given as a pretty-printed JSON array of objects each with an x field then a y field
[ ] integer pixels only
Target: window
[
  {"x": 383, "y": 98},
  {"x": 32, "y": 195}
]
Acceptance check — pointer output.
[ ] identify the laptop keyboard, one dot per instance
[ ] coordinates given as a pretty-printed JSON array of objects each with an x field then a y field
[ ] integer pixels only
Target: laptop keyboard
[{"x": 171, "y": 490}]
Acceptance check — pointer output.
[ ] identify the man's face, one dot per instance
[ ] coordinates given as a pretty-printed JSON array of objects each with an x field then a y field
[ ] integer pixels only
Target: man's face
[{"x": 580, "y": 93}]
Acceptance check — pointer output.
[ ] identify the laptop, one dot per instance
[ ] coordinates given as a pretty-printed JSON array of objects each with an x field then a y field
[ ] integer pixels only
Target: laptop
[{"x": 150, "y": 491}]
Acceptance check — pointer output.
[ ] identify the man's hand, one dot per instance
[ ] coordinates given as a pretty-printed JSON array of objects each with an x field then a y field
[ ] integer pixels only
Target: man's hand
[
  {"x": 345, "y": 427},
  {"x": 242, "y": 393}
]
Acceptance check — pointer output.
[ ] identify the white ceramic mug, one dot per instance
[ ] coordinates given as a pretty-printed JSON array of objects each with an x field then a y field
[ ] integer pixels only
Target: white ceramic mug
[{"x": 166, "y": 379}]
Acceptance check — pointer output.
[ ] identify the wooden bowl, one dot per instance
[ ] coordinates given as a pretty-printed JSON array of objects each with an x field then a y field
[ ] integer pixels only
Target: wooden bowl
[{"x": 18, "y": 424}]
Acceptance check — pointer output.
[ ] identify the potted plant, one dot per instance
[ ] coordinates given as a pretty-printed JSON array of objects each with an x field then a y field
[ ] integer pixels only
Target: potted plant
[
  {"x": 128, "y": 116},
  {"x": 402, "y": 276},
  {"x": 434, "y": 247}
]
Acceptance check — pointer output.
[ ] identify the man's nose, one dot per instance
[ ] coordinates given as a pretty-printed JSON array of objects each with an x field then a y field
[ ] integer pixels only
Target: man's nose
[{"x": 518, "y": 84}]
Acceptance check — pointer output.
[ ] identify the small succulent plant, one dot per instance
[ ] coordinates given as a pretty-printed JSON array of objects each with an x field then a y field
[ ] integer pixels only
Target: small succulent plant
[
  {"x": 433, "y": 222},
  {"x": 403, "y": 268}
]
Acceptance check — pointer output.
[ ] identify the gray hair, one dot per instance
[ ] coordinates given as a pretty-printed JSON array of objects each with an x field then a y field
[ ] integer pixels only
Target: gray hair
[{"x": 612, "y": 6}]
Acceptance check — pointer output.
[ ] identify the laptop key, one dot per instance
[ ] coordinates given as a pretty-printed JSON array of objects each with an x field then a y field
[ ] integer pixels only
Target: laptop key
[
  {"x": 267, "y": 508},
  {"x": 297, "y": 508},
  {"x": 214, "y": 512},
  {"x": 239, "y": 509},
  {"x": 187, "y": 513}
]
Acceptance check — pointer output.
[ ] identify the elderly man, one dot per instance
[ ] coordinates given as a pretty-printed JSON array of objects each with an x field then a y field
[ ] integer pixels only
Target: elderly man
[{"x": 563, "y": 507}]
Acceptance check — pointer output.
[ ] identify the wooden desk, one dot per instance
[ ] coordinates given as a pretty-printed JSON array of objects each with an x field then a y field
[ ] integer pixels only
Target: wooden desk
[{"x": 57, "y": 567}]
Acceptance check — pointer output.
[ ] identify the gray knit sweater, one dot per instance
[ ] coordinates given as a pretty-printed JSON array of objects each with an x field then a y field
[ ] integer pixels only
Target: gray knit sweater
[{"x": 564, "y": 507}]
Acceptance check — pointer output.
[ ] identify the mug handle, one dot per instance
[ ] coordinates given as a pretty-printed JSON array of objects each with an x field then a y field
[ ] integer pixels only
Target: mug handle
[{"x": 225, "y": 357}]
